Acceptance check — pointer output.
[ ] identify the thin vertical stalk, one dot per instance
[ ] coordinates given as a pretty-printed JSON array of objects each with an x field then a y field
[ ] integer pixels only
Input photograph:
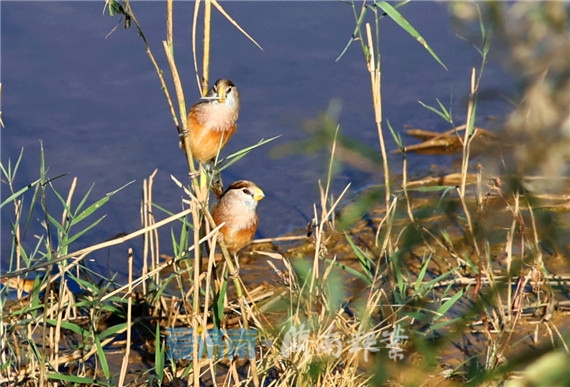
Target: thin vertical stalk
[
  {"x": 376, "y": 84},
  {"x": 168, "y": 46},
  {"x": 196, "y": 324},
  {"x": 324, "y": 214},
  {"x": 509, "y": 251},
  {"x": 207, "y": 36},
  {"x": 125, "y": 363},
  {"x": 467, "y": 137},
  {"x": 146, "y": 237},
  {"x": 150, "y": 238},
  {"x": 169, "y": 29},
  {"x": 405, "y": 186}
]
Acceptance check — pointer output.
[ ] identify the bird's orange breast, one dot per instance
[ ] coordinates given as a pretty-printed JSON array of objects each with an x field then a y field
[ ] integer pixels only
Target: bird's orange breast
[
  {"x": 205, "y": 142},
  {"x": 237, "y": 240},
  {"x": 234, "y": 235}
]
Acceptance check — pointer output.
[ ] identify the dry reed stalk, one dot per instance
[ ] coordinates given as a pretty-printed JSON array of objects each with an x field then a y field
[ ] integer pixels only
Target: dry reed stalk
[
  {"x": 151, "y": 242},
  {"x": 405, "y": 187},
  {"x": 125, "y": 364},
  {"x": 324, "y": 219},
  {"x": 389, "y": 220},
  {"x": 471, "y": 108},
  {"x": 159, "y": 268},
  {"x": 468, "y": 135},
  {"x": 374, "y": 68},
  {"x": 64, "y": 293},
  {"x": 206, "y": 54},
  {"x": 197, "y": 325},
  {"x": 145, "y": 221},
  {"x": 509, "y": 251}
]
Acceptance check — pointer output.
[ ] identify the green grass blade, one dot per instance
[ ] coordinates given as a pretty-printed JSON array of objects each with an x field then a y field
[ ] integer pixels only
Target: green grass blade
[
  {"x": 434, "y": 188},
  {"x": 90, "y": 210},
  {"x": 83, "y": 231},
  {"x": 356, "y": 34},
  {"x": 218, "y": 306},
  {"x": 10, "y": 173},
  {"x": 70, "y": 326},
  {"x": 449, "y": 303},
  {"x": 102, "y": 358},
  {"x": 396, "y": 136},
  {"x": 422, "y": 273},
  {"x": 443, "y": 324},
  {"x": 83, "y": 200},
  {"x": 352, "y": 271},
  {"x": 159, "y": 355},
  {"x": 367, "y": 264},
  {"x": 114, "y": 330},
  {"x": 400, "y": 281},
  {"x": 437, "y": 279},
  {"x": 72, "y": 379},
  {"x": 19, "y": 193},
  {"x": 402, "y": 22},
  {"x": 56, "y": 223},
  {"x": 234, "y": 157},
  {"x": 442, "y": 111}
]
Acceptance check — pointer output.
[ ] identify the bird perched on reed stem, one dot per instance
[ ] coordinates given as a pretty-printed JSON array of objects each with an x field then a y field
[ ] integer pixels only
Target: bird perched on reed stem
[
  {"x": 237, "y": 209},
  {"x": 212, "y": 121}
]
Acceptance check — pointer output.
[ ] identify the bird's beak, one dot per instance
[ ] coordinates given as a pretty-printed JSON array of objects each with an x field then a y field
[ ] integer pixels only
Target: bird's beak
[
  {"x": 258, "y": 194},
  {"x": 222, "y": 95},
  {"x": 209, "y": 98}
]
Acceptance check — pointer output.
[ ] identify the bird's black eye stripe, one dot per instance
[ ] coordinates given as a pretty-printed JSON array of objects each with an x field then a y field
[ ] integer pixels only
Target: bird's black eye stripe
[{"x": 247, "y": 192}]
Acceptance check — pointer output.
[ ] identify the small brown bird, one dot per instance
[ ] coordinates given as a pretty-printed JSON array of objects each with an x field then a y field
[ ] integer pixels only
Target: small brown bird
[
  {"x": 212, "y": 120},
  {"x": 237, "y": 209},
  {"x": 27, "y": 285}
]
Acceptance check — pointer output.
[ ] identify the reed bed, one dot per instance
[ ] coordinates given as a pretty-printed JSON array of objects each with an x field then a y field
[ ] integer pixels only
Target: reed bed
[{"x": 459, "y": 279}]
